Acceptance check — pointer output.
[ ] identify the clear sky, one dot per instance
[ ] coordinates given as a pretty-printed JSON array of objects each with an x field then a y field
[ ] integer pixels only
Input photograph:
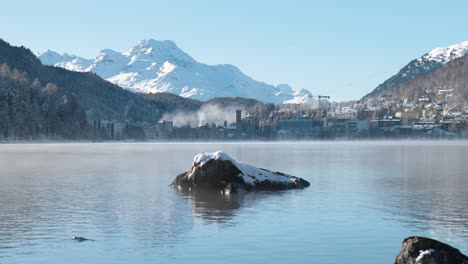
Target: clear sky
[{"x": 338, "y": 48}]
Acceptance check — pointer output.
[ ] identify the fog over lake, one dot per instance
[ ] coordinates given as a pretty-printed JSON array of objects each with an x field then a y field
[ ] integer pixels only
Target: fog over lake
[{"x": 364, "y": 198}]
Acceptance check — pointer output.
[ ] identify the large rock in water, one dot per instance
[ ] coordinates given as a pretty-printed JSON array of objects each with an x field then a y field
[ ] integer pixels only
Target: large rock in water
[
  {"x": 218, "y": 171},
  {"x": 422, "y": 250}
]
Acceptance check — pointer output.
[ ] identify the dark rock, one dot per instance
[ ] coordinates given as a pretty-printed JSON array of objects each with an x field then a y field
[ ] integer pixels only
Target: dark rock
[
  {"x": 422, "y": 250},
  {"x": 218, "y": 171},
  {"x": 81, "y": 239}
]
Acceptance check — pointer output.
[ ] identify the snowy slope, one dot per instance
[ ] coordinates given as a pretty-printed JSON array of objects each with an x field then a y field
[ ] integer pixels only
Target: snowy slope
[
  {"x": 444, "y": 55},
  {"x": 428, "y": 62},
  {"x": 153, "y": 66},
  {"x": 302, "y": 96},
  {"x": 70, "y": 62}
]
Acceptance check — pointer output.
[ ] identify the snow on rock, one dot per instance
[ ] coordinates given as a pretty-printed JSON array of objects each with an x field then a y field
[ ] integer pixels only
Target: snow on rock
[
  {"x": 423, "y": 250},
  {"x": 249, "y": 173},
  {"x": 218, "y": 170},
  {"x": 423, "y": 253},
  {"x": 153, "y": 66},
  {"x": 201, "y": 158}
]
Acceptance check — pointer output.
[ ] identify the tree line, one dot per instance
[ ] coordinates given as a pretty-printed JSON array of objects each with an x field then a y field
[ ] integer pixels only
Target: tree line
[{"x": 32, "y": 111}]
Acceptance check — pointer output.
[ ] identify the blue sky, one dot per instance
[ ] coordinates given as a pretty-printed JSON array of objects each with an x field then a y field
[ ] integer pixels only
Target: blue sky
[{"x": 338, "y": 48}]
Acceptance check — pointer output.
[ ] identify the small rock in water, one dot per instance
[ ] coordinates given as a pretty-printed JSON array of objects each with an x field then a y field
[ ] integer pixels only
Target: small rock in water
[
  {"x": 422, "y": 250},
  {"x": 81, "y": 239},
  {"x": 218, "y": 171}
]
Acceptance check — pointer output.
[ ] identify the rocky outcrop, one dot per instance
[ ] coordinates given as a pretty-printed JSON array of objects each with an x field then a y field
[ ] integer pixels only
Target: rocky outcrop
[
  {"x": 218, "y": 171},
  {"x": 422, "y": 250}
]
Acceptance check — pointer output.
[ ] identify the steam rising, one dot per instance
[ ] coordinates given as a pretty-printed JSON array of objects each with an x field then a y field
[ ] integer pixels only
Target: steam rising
[{"x": 207, "y": 114}]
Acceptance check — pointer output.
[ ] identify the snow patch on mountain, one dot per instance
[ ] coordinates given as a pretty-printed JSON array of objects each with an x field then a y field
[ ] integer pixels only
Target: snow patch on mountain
[
  {"x": 302, "y": 96},
  {"x": 153, "y": 66},
  {"x": 444, "y": 55}
]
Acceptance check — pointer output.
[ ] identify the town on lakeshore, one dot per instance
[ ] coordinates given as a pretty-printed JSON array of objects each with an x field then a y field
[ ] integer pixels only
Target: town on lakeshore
[
  {"x": 154, "y": 91},
  {"x": 434, "y": 116}
]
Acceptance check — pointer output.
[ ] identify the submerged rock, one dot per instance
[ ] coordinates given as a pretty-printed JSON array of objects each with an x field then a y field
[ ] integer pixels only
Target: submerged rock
[
  {"x": 219, "y": 171},
  {"x": 422, "y": 250},
  {"x": 81, "y": 239}
]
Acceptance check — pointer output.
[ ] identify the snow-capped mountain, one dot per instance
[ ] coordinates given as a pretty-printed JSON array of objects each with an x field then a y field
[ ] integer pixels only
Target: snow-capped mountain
[
  {"x": 302, "y": 96},
  {"x": 153, "y": 66},
  {"x": 67, "y": 61},
  {"x": 444, "y": 55},
  {"x": 427, "y": 63}
]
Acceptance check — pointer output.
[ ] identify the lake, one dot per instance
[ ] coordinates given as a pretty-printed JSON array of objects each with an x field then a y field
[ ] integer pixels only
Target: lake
[{"x": 364, "y": 198}]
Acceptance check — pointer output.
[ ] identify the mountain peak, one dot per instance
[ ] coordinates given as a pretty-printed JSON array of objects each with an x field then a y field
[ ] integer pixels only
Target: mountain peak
[
  {"x": 446, "y": 54},
  {"x": 147, "y": 46},
  {"x": 302, "y": 92},
  {"x": 159, "y": 51},
  {"x": 159, "y": 43},
  {"x": 48, "y": 52},
  {"x": 49, "y": 57},
  {"x": 154, "y": 66},
  {"x": 424, "y": 65},
  {"x": 302, "y": 96}
]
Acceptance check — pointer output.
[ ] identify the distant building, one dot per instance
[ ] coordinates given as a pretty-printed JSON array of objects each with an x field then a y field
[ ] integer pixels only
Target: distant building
[
  {"x": 167, "y": 125},
  {"x": 300, "y": 128},
  {"x": 239, "y": 121},
  {"x": 299, "y": 124},
  {"x": 408, "y": 116},
  {"x": 443, "y": 95},
  {"x": 356, "y": 127},
  {"x": 348, "y": 127},
  {"x": 345, "y": 113},
  {"x": 107, "y": 130},
  {"x": 161, "y": 130},
  {"x": 369, "y": 114},
  {"x": 383, "y": 127}
]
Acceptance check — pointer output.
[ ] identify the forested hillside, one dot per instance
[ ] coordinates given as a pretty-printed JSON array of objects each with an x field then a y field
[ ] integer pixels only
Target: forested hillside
[
  {"x": 38, "y": 101},
  {"x": 31, "y": 111},
  {"x": 100, "y": 99},
  {"x": 453, "y": 75}
]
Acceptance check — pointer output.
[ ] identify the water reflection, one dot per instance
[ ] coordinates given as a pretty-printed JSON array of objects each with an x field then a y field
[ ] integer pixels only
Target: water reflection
[
  {"x": 45, "y": 199},
  {"x": 426, "y": 189},
  {"x": 216, "y": 207},
  {"x": 439, "y": 215},
  {"x": 212, "y": 206},
  {"x": 37, "y": 216},
  {"x": 19, "y": 212},
  {"x": 119, "y": 196}
]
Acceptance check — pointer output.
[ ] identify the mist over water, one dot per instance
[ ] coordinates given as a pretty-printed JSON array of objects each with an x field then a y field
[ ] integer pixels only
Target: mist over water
[
  {"x": 364, "y": 198},
  {"x": 207, "y": 114}
]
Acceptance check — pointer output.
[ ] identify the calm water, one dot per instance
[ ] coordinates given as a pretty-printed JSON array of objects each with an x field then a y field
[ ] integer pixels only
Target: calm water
[{"x": 365, "y": 197}]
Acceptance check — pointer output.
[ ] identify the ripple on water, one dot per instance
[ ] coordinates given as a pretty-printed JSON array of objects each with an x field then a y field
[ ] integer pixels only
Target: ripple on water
[{"x": 118, "y": 194}]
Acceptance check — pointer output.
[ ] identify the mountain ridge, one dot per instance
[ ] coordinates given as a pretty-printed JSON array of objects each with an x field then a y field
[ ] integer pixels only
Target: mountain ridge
[
  {"x": 153, "y": 66},
  {"x": 424, "y": 65}
]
